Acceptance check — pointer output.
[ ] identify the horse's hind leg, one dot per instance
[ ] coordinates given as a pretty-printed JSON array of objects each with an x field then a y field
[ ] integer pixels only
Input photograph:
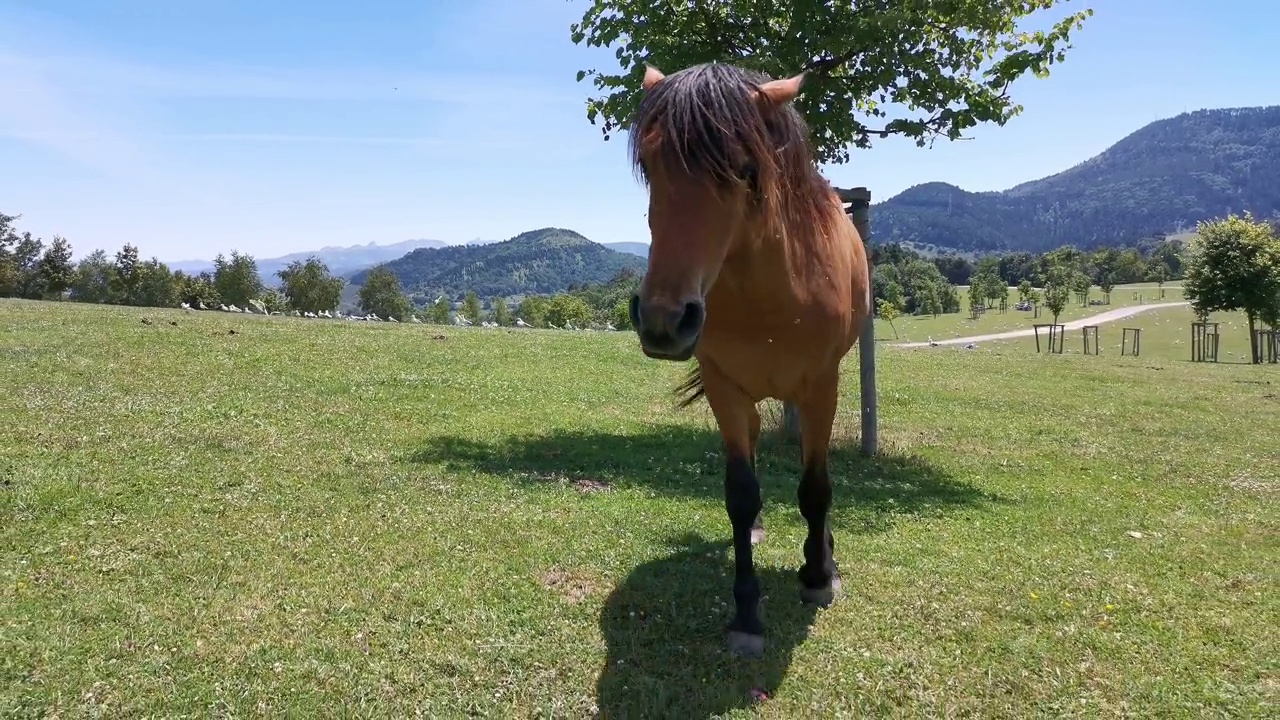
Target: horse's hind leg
[
  {"x": 742, "y": 501},
  {"x": 819, "y": 577}
]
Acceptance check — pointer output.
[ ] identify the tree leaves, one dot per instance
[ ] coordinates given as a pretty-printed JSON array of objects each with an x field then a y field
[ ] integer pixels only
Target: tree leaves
[{"x": 948, "y": 64}]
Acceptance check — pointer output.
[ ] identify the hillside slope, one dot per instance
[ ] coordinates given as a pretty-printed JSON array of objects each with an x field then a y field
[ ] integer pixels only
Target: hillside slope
[
  {"x": 1165, "y": 176},
  {"x": 549, "y": 260}
]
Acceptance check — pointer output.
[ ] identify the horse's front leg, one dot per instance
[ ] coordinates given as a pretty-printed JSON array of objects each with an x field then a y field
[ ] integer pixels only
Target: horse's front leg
[
  {"x": 742, "y": 501},
  {"x": 819, "y": 577}
]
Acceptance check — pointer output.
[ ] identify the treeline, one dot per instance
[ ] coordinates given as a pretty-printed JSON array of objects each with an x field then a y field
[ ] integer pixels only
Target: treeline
[
  {"x": 30, "y": 269},
  {"x": 917, "y": 285}
]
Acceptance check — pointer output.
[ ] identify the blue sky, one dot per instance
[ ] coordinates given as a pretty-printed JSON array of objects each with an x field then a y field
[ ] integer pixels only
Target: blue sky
[{"x": 190, "y": 128}]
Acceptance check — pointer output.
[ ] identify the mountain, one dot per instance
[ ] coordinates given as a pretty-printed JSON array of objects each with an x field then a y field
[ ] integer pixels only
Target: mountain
[
  {"x": 341, "y": 260},
  {"x": 638, "y": 249},
  {"x": 1163, "y": 178},
  {"x": 549, "y": 260}
]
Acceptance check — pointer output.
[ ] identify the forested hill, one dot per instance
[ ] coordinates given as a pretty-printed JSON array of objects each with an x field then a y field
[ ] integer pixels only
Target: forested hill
[
  {"x": 550, "y": 260},
  {"x": 1169, "y": 174}
]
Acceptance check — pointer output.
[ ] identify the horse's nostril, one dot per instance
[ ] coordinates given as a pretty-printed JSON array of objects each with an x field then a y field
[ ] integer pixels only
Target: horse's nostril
[
  {"x": 633, "y": 310},
  {"x": 691, "y": 321}
]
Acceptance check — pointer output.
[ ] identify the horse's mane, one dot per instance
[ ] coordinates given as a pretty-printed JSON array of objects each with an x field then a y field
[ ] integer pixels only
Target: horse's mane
[{"x": 706, "y": 119}]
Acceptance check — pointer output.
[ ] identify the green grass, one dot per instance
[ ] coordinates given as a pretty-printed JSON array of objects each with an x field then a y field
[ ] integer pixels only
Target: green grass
[
  {"x": 319, "y": 518},
  {"x": 920, "y": 328}
]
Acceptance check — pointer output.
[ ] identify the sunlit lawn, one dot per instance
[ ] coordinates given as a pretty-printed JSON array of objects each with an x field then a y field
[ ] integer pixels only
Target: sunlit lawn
[{"x": 326, "y": 518}]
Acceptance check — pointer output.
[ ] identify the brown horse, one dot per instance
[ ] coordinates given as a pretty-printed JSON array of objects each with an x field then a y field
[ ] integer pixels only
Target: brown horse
[{"x": 755, "y": 272}]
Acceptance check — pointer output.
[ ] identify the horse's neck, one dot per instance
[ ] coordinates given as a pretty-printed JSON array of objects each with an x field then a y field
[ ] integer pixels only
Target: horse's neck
[{"x": 764, "y": 271}]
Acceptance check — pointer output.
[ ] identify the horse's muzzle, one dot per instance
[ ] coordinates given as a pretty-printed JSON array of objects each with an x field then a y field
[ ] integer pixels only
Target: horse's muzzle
[{"x": 668, "y": 331}]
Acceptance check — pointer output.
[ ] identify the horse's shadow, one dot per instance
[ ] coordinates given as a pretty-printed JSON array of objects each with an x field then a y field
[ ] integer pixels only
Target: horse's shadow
[
  {"x": 664, "y": 629},
  {"x": 664, "y": 623}
]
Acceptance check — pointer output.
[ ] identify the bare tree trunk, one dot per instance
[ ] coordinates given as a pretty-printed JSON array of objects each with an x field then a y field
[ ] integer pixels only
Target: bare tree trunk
[{"x": 1255, "y": 354}]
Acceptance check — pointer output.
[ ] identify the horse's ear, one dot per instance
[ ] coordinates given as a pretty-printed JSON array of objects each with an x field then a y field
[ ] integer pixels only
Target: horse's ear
[
  {"x": 652, "y": 76},
  {"x": 777, "y": 93}
]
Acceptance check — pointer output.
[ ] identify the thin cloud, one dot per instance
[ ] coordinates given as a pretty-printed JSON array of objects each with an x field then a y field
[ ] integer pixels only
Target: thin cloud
[
  {"x": 42, "y": 112},
  {"x": 120, "y": 78}
]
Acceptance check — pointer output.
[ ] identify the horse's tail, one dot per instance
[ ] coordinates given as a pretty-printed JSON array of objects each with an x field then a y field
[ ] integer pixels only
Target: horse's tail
[{"x": 689, "y": 391}]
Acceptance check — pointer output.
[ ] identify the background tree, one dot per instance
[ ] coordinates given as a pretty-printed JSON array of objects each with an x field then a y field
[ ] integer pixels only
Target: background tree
[
  {"x": 1106, "y": 283},
  {"x": 438, "y": 312},
  {"x": 471, "y": 309},
  {"x": 308, "y": 286},
  {"x": 1057, "y": 289},
  {"x": 237, "y": 280},
  {"x": 1234, "y": 264},
  {"x": 534, "y": 310},
  {"x": 94, "y": 279},
  {"x": 1081, "y": 283},
  {"x": 888, "y": 312},
  {"x": 382, "y": 295},
  {"x": 1024, "y": 290},
  {"x": 127, "y": 278},
  {"x": 565, "y": 308},
  {"x": 156, "y": 287},
  {"x": 57, "y": 272},
  {"x": 620, "y": 316},
  {"x": 949, "y": 65},
  {"x": 501, "y": 313}
]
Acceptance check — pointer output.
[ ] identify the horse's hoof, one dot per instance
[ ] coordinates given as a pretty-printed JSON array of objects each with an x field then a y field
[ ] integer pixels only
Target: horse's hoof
[
  {"x": 745, "y": 644},
  {"x": 757, "y": 535},
  {"x": 822, "y": 597}
]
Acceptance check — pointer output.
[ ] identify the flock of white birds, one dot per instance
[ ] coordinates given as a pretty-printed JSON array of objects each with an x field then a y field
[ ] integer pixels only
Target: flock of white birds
[{"x": 257, "y": 308}]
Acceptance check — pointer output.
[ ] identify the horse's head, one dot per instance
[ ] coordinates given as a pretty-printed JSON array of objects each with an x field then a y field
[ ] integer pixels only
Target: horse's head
[{"x": 709, "y": 142}]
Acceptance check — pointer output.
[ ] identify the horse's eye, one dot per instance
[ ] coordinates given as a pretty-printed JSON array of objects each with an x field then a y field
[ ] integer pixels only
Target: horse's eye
[{"x": 748, "y": 174}]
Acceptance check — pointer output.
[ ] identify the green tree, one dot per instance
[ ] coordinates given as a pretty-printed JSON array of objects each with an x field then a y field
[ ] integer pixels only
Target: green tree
[
  {"x": 534, "y": 310},
  {"x": 501, "y": 313},
  {"x": 382, "y": 295},
  {"x": 888, "y": 312},
  {"x": 1057, "y": 289},
  {"x": 438, "y": 312},
  {"x": 57, "y": 272},
  {"x": 949, "y": 65},
  {"x": 94, "y": 281},
  {"x": 276, "y": 301},
  {"x": 1106, "y": 283},
  {"x": 1234, "y": 264},
  {"x": 471, "y": 309},
  {"x": 308, "y": 286},
  {"x": 565, "y": 308},
  {"x": 1024, "y": 291},
  {"x": 620, "y": 316},
  {"x": 1081, "y": 283},
  {"x": 127, "y": 278},
  {"x": 156, "y": 287},
  {"x": 237, "y": 280}
]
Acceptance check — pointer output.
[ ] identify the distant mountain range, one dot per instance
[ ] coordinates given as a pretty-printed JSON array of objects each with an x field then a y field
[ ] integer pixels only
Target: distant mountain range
[
  {"x": 548, "y": 260},
  {"x": 348, "y": 260},
  {"x": 1162, "y": 178},
  {"x": 341, "y": 260}
]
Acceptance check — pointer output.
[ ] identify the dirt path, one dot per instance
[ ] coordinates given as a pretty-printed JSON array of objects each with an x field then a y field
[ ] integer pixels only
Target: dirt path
[{"x": 1099, "y": 319}]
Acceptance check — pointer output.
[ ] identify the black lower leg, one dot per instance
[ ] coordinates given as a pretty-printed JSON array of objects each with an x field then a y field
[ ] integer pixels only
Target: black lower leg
[
  {"x": 742, "y": 500},
  {"x": 819, "y": 545}
]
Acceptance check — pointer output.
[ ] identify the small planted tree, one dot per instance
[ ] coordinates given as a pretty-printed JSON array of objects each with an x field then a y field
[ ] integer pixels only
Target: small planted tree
[
  {"x": 501, "y": 313},
  {"x": 1024, "y": 291},
  {"x": 1057, "y": 293},
  {"x": 1234, "y": 264},
  {"x": 888, "y": 312},
  {"x": 471, "y": 308},
  {"x": 1106, "y": 284}
]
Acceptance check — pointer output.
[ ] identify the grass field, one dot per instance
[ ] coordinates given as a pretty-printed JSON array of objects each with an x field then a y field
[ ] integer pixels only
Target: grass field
[
  {"x": 920, "y": 328},
  {"x": 318, "y": 518}
]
